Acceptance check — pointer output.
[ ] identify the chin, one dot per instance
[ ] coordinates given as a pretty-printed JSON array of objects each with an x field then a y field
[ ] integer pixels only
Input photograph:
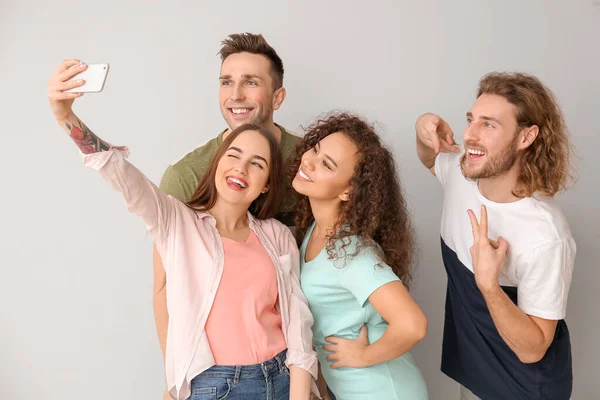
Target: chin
[
  {"x": 236, "y": 123},
  {"x": 236, "y": 200},
  {"x": 469, "y": 172},
  {"x": 297, "y": 185}
]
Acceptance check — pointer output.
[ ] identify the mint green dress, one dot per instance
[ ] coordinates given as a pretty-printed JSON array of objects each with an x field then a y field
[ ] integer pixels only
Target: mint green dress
[{"x": 338, "y": 294}]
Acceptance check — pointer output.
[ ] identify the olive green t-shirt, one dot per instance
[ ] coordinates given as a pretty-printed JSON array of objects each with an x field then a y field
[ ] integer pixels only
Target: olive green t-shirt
[{"x": 181, "y": 179}]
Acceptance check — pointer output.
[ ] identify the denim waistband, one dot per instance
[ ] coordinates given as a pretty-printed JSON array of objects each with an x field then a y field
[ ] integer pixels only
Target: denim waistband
[{"x": 237, "y": 372}]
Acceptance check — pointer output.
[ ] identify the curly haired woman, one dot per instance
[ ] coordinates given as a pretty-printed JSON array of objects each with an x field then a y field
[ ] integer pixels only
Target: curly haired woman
[{"x": 356, "y": 256}]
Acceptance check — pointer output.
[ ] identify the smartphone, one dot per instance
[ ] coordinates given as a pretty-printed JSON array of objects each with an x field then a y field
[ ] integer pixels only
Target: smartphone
[{"x": 94, "y": 76}]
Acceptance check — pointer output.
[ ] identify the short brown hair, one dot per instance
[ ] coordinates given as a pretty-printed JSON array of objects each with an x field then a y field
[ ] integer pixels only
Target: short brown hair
[
  {"x": 376, "y": 211},
  {"x": 545, "y": 164},
  {"x": 255, "y": 44},
  {"x": 265, "y": 205}
]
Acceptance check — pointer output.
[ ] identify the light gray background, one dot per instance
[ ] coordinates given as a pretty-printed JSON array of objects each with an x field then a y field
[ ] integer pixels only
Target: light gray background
[{"x": 76, "y": 284}]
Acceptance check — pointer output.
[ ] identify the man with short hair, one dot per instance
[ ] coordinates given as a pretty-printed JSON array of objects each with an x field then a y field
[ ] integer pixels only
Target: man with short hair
[
  {"x": 506, "y": 245},
  {"x": 251, "y": 90}
]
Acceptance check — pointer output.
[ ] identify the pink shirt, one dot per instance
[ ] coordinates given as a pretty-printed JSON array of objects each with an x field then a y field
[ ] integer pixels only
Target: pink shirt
[
  {"x": 244, "y": 326},
  {"x": 192, "y": 253}
]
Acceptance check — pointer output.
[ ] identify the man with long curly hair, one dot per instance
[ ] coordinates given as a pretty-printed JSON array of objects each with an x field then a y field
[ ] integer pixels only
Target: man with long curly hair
[{"x": 506, "y": 245}]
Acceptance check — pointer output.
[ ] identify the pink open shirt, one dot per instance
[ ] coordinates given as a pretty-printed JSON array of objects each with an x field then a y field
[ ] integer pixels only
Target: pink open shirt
[{"x": 192, "y": 254}]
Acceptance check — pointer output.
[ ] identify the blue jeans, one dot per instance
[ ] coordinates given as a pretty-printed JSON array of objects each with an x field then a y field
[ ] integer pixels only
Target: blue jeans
[{"x": 269, "y": 380}]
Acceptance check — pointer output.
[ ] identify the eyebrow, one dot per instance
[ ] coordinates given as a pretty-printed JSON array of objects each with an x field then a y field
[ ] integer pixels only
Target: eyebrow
[
  {"x": 328, "y": 156},
  {"x": 254, "y": 156},
  {"x": 245, "y": 76},
  {"x": 483, "y": 117},
  {"x": 250, "y": 76}
]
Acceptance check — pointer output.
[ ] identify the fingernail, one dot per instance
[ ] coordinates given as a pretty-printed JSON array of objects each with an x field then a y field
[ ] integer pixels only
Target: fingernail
[{"x": 79, "y": 80}]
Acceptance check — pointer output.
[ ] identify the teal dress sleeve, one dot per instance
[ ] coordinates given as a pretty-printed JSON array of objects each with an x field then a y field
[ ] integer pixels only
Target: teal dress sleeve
[{"x": 365, "y": 273}]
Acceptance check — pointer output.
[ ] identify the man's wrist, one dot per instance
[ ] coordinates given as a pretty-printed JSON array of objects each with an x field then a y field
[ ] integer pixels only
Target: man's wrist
[{"x": 488, "y": 288}]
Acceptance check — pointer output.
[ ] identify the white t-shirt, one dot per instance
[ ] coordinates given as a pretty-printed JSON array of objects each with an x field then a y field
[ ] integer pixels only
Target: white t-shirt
[{"x": 541, "y": 250}]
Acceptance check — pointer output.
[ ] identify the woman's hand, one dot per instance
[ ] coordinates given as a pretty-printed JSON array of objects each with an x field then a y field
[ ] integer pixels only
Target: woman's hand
[
  {"x": 61, "y": 102},
  {"x": 347, "y": 352}
]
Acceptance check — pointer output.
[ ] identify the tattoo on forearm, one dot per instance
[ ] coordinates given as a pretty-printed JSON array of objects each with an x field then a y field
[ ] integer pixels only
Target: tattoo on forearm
[{"x": 85, "y": 139}]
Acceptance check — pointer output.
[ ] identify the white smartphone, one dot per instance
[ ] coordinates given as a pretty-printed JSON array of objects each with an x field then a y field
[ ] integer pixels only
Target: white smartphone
[{"x": 94, "y": 76}]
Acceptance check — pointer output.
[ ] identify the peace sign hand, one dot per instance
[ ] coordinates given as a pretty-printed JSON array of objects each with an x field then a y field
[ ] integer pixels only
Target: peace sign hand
[{"x": 487, "y": 255}]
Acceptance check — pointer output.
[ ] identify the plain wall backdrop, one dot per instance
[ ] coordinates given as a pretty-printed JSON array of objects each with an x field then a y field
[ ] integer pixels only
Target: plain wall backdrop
[{"x": 76, "y": 286}]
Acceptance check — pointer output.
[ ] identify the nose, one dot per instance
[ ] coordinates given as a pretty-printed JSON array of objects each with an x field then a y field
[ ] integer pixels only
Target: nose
[
  {"x": 470, "y": 134},
  {"x": 237, "y": 93},
  {"x": 241, "y": 168},
  {"x": 308, "y": 162}
]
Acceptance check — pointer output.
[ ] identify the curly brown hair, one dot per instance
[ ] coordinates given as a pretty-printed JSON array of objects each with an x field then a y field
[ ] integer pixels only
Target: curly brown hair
[
  {"x": 376, "y": 211},
  {"x": 545, "y": 165}
]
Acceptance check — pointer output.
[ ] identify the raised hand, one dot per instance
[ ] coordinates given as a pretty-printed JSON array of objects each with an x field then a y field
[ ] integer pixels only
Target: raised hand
[
  {"x": 61, "y": 102},
  {"x": 488, "y": 255},
  {"x": 436, "y": 134}
]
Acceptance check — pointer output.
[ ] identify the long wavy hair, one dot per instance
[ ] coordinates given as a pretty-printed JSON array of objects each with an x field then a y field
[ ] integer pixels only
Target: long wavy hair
[
  {"x": 545, "y": 164},
  {"x": 376, "y": 211}
]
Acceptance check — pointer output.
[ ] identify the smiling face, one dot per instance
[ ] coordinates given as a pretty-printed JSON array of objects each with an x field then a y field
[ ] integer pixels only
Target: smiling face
[
  {"x": 490, "y": 138},
  {"x": 242, "y": 173},
  {"x": 326, "y": 169},
  {"x": 246, "y": 94}
]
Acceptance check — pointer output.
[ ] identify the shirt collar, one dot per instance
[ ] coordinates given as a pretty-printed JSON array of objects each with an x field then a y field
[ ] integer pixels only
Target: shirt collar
[{"x": 205, "y": 214}]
